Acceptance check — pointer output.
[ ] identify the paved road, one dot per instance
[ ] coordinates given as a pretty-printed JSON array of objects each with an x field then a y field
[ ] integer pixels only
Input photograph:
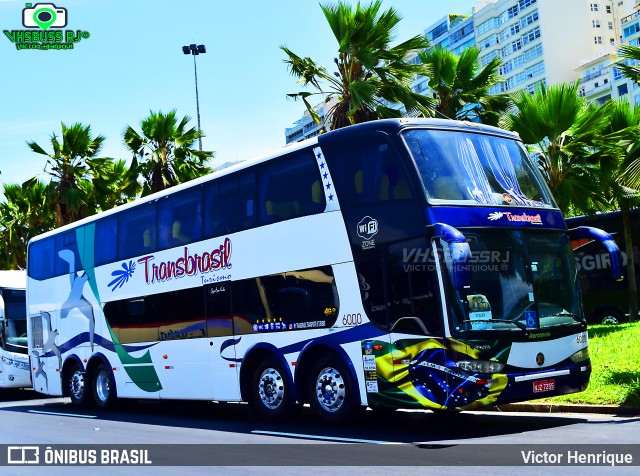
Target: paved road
[{"x": 27, "y": 419}]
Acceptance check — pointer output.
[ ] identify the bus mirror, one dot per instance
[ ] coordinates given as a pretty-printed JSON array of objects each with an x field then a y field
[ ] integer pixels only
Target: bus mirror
[
  {"x": 588, "y": 232},
  {"x": 1, "y": 309},
  {"x": 458, "y": 249}
]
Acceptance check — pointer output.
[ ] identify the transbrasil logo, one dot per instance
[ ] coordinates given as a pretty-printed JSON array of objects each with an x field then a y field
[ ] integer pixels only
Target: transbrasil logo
[
  {"x": 188, "y": 264},
  {"x": 522, "y": 218},
  {"x": 45, "y": 21}
]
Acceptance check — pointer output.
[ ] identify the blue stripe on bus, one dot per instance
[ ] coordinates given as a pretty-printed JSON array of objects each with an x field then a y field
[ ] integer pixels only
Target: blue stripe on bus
[
  {"x": 84, "y": 338},
  {"x": 470, "y": 216}
]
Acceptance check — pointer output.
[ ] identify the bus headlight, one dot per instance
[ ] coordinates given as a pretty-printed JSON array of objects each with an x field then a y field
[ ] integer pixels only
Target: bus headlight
[
  {"x": 581, "y": 355},
  {"x": 480, "y": 366}
]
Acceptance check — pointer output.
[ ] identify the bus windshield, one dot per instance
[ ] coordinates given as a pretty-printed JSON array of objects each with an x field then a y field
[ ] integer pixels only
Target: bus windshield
[
  {"x": 520, "y": 280},
  {"x": 16, "y": 324},
  {"x": 475, "y": 169}
]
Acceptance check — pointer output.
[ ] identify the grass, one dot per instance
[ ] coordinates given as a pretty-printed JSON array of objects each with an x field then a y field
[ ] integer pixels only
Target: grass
[{"x": 615, "y": 357}]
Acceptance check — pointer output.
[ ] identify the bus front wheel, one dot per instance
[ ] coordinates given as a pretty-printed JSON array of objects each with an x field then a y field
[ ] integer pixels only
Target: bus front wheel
[
  {"x": 271, "y": 392},
  {"x": 104, "y": 387},
  {"x": 331, "y": 392},
  {"x": 76, "y": 386}
]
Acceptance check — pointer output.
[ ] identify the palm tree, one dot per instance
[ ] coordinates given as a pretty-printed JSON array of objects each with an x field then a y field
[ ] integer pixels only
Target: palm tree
[
  {"x": 616, "y": 158},
  {"x": 163, "y": 154},
  {"x": 563, "y": 131},
  {"x": 114, "y": 184},
  {"x": 630, "y": 69},
  {"x": 26, "y": 212},
  {"x": 461, "y": 88},
  {"x": 370, "y": 75},
  {"x": 70, "y": 166}
]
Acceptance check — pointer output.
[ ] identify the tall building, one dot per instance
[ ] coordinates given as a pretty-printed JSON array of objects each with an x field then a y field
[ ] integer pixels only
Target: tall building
[
  {"x": 595, "y": 74},
  {"x": 454, "y": 32},
  {"x": 623, "y": 87},
  {"x": 306, "y": 127},
  {"x": 543, "y": 40}
]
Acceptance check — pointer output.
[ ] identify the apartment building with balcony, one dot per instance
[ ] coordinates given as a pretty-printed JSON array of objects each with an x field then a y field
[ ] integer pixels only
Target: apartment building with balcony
[
  {"x": 544, "y": 40},
  {"x": 621, "y": 86},
  {"x": 539, "y": 41},
  {"x": 306, "y": 127},
  {"x": 595, "y": 75},
  {"x": 454, "y": 32}
]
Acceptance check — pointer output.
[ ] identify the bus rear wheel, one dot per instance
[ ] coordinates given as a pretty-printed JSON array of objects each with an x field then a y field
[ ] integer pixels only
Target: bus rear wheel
[
  {"x": 331, "y": 392},
  {"x": 104, "y": 387},
  {"x": 271, "y": 392},
  {"x": 608, "y": 316},
  {"x": 76, "y": 387}
]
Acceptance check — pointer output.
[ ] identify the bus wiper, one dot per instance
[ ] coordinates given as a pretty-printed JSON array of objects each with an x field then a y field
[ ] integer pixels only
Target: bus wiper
[
  {"x": 567, "y": 314},
  {"x": 507, "y": 321}
]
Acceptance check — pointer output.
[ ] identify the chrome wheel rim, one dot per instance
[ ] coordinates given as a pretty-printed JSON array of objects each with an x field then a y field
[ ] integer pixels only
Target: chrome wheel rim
[
  {"x": 102, "y": 386},
  {"x": 271, "y": 388},
  {"x": 330, "y": 390},
  {"x": 76, "y": 385}
]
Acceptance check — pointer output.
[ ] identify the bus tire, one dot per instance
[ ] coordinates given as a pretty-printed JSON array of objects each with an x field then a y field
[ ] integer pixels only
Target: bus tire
[
  {"x": 609, "y": 316},
  {"x": 76, "y": 385},
  {"x": 104, "y": 387},
  {"x": 332, "y": 394},
  {"x": 271, "y": 392}
]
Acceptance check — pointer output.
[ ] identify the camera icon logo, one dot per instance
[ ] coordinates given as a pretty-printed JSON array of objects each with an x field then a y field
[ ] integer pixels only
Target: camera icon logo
[{"x": 44, "y": 16}]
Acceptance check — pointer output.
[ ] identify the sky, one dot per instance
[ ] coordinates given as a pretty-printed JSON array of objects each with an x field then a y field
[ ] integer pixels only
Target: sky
[{"x": 132, "y": 63}]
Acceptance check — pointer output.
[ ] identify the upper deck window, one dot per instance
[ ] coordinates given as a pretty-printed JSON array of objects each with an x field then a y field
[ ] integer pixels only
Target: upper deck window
[
  {"x": 476, "y": 169},
  {"x": 367, "y": 170}
]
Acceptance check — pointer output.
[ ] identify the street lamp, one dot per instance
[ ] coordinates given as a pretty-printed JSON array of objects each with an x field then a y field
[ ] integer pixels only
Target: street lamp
[{"x": 195, "y": 51}]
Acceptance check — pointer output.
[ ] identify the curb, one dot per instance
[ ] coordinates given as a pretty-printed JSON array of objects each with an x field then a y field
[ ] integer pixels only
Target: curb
[{"x": 568, "y": 408}]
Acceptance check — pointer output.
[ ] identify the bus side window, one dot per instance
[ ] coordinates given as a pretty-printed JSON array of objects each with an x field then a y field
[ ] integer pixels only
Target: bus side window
[
  {"x": 287, "y": 301},
  {"x": 105, "y": 241},
  {"x": 67, "y": 254},
  {"x": 137, "y": 231},
  {"x": 249, "y": 305},
  {"x": 219, "y": 318},
  {"x": 179, "y": 220},
  {"x": 229, "y": 204},
  {"x": 367, "y": 171},
  {"x": 299, "y": 297},
  {"x": 41, "y": 259},
  {"x": 289, "y": 188},
  {"x": 413, "y": 304}
]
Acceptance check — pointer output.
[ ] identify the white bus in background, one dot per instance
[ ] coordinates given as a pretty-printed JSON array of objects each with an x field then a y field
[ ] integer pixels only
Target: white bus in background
[{"x": 14, "y": 360}]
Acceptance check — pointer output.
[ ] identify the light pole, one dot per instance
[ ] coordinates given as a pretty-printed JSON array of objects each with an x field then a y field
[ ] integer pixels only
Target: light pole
[{"x": 194, "y": 50}]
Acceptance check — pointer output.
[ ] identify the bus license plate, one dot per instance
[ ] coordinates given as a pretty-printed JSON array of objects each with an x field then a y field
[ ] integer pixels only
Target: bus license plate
[{"x": 544, "y": 385}]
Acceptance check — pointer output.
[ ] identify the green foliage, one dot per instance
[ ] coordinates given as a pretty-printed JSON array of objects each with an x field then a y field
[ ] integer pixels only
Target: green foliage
[
  {"x": 369, "y": 70},
  {"x": 461, "y": 88},
  {"x": 615, "y": 378},
  {"x": 70, "y": 166},
  {"x": 629, "y": 68},
  {"x": 564, "y": 132},
  {"x": 163, "y": 154},
  {"x": 28, "y": 210}
]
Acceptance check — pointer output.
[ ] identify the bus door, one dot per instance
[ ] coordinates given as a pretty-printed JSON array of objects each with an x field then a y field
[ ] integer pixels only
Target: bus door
[
  {"x": 222, "y": 338},
  {"x": 383, "y": 213},
  {"x": 417, "y": 352},
  {"x": 14, "y": 362}
]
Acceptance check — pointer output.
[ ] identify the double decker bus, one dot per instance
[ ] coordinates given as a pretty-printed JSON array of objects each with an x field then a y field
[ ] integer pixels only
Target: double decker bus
[
  {"x": 410, "y": 263},
  {"x": 14, "y": 361}
]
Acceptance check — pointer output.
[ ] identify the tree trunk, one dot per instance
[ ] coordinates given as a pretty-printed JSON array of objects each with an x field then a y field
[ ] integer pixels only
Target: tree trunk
[{"x": 631, "y": 269}]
